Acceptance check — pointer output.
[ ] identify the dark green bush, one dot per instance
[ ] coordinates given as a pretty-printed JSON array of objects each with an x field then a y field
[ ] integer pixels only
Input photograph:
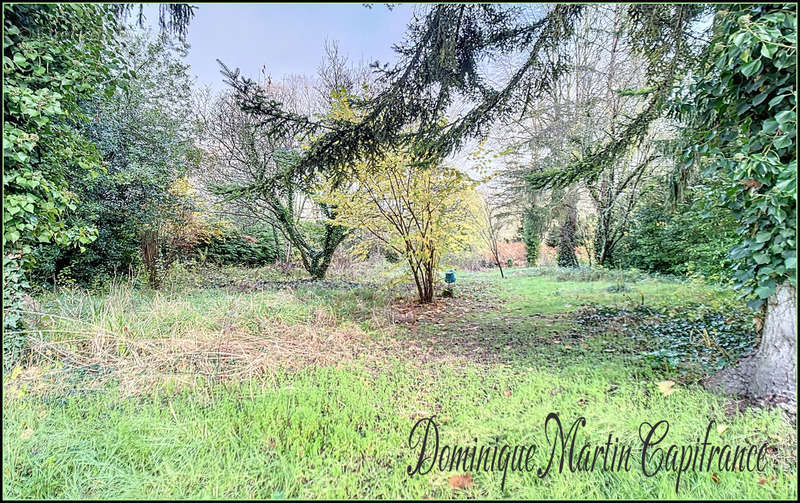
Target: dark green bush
[
  {"x": 256, "y": 247},
  {"x": 115, "y": 252},
  {"x": 683, "y": 240},
  {"x": 391, "y": 255}
]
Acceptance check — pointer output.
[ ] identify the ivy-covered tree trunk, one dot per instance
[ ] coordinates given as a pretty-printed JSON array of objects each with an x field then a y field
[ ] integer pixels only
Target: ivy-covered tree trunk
[
  {"x": 315, "y": 259},
  {"x": 317, "y": 262},
  {"x": 566, "y": 242},
  {"x": 602, "y": 241},
  {"x": 748, "y": 127},
  {"x": 317, "y": 265},
  {"x": 318, "y": 270},
  {"x": 769, "y": 373},
  {"x": 277, "y": 254},
  {"x": 533, "y": 226}
]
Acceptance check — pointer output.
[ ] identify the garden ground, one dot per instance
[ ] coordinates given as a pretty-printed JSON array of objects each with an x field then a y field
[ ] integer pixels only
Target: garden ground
[{"x": 231, "y": 385}]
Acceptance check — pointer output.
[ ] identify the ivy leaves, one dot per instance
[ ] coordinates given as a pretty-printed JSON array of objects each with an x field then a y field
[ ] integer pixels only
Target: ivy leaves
[
  {"x": 54, "y": 56},
  {"x": 743, "y": 109}
]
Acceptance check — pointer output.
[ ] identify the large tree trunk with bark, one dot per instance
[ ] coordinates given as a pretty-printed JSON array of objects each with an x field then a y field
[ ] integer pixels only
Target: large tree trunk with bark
[{"x": 770, "y": 373}]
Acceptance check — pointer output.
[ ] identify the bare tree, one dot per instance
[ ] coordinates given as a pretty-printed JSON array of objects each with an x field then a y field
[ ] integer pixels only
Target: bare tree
[
  {"x": 618, "y": 187},
  {"x": 252, "y": 170},
  {"x": 490, "y": 228},
  {"x": 580, "y": 112}
]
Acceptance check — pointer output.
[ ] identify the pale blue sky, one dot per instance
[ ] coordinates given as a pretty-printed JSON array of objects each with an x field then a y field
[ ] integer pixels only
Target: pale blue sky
[{"x": 287, "y": 38}]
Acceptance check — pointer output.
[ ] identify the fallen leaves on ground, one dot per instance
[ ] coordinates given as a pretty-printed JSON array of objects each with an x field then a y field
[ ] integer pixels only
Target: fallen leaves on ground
[
  {"x": 666, "y": 388},
  {"x": 461, "y": 481}
]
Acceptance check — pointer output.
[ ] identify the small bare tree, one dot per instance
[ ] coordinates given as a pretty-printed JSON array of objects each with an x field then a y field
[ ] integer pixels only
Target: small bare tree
[{"x": 490, "y": 229}]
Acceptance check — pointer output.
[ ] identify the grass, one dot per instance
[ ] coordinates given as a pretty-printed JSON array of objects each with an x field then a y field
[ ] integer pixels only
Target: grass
[
  {"x": 321, "y": 422},
  {"x": 548, "y": 294}
]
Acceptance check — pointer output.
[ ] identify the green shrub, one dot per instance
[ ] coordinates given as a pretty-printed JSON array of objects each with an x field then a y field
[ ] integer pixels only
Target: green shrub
[
  {"x": 683, "y": 241},
  {"x": 114, "y": 253},
  {"x": 391, "y": 255},
  {"x": 14, "y": 286},
  {"x": 236, "y": 247}
]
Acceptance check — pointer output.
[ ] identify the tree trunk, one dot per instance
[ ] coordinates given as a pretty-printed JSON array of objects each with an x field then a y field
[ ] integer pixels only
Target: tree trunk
[
  {"x": 277, "y": 244},
  {"x": 771, "y": 371},
  {"x": 566, "y": 242},
  {"x": 428, "y": 284},
  {"x": 427, "y": 287},
  {"x": 417, "y": 280},
  {"x": 317, "y": 272},
  {"x": 497, "y": 261}
]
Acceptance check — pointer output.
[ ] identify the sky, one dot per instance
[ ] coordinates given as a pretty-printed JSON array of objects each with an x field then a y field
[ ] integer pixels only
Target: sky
[{"x": 287, "y": 38}]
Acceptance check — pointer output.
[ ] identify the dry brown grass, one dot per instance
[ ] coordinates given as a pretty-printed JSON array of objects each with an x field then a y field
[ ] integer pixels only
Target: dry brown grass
[
  {"x": 143, "y": 343},
  {"x": 222, "y": 355},
  {"x": 232, "y": 352}
]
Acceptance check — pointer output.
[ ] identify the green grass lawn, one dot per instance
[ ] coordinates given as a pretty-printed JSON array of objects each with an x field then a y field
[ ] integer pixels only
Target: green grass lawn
[{"x": 342, "y": 377}]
